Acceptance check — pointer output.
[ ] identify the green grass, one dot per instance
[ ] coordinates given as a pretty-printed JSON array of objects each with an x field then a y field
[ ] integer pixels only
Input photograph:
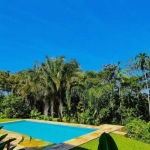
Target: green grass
[
  {"x": 6, "y": 120},
  {"x": 122, "y": 143}
]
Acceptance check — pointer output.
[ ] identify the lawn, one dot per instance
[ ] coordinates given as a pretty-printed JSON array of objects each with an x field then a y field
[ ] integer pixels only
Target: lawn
[
  {"x": 5, "y": 120},
  {"x": 122, "y": 143}
]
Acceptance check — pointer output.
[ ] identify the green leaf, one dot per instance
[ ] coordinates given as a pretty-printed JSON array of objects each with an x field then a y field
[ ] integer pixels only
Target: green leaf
[
  {"x": 2, "y": 146},
  {"x": 8, "y": 141},
  {"x": 3, "y": 136},
  {"x": 12, "y": 148},
  {"x": 106, "y": 142}
]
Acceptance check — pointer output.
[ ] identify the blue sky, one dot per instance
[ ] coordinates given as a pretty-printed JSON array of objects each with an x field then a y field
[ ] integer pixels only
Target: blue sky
[{"x": 95, "y": 32}]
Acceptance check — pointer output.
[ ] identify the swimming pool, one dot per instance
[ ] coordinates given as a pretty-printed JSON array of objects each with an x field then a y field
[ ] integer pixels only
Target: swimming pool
[{"x": 47, "y": 131}]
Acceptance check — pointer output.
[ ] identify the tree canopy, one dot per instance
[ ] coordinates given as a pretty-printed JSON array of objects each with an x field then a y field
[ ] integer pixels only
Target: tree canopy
[{"x": 61, "y": 89}]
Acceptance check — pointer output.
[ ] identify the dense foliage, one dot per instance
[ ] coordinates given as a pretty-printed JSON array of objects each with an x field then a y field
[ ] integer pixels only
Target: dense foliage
[
  {"x": 14, "y": 107},
  {"x": 139, "y": 130},
  {"x": 60, "y": 89}
]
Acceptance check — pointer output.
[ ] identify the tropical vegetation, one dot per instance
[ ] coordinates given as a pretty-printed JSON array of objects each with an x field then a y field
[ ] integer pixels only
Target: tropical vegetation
[
  {"x": 57, "y": 88},
  {"x": 139, "y": 130}
]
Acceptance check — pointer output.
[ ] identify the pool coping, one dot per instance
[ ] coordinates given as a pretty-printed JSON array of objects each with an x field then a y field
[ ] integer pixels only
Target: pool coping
[{"x": 79, "y": 140}]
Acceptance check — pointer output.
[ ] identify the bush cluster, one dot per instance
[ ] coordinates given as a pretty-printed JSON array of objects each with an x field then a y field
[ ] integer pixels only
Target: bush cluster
[
  {"x": 139, "y": 130},
  {"x": 14, "y": 107},
  {"x": 34, "y": 114}
]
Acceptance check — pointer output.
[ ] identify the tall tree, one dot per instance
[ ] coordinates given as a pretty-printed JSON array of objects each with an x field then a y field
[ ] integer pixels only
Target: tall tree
[
  {"x": 59, "y": 76},
  {"x": 4, "y": 83},
  {"x": 143, "y": 63}
]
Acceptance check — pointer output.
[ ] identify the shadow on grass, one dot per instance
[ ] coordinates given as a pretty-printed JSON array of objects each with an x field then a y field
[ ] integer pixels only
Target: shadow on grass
[
  {"x": 79, "y": 148},
  {"x": 66, "y": 147}
]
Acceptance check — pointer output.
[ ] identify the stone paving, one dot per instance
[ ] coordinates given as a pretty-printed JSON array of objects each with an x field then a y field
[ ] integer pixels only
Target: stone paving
[{"x": 73, "y": 142}]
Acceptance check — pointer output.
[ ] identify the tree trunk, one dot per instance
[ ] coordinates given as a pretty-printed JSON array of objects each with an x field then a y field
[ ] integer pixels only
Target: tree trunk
[
  {"x": 52, "y": 107},
  {"x": 46, "y": 107},
  {"x": 120, "y": 98},
  {"x": 60, "y": 109},
  {"x": 149, "y": 108},
  {"x": 148, "y": 93}
]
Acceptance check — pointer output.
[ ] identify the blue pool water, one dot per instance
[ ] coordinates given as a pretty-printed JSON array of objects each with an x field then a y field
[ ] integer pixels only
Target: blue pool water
[{"x": 47, "y": 132}]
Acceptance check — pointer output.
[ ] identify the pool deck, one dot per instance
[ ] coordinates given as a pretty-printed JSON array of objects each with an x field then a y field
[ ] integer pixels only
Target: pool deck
[{"x": 73, "y": 142}]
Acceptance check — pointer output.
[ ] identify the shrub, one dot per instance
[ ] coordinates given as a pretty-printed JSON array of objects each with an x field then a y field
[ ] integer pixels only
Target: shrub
[
  {"x": 15, "y": 107},
  {"x": 55, "y": 119},
  {"x": 49, "y": 118},
  {"x": 34, "y": 114},
  {"x": 64, "y": 119},
  {"x": 2, "y": 115},
  {"x": 139, "y": 130},
  {"x": 10, "y": 112},
  {"x": 41, "y": 117},
  {"x": 44, "y": 117}
]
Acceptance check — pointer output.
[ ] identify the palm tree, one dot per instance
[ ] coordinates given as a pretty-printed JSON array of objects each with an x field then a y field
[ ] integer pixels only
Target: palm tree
[
  {"x": 143, "y": 63},
  {"x": 49, "y": 70},
  {"x": 4, "y": 83},
  {"x": 71, "y": 76},
  {"x": 28, "y": 84},
  {"x": 59, "y": 76}
]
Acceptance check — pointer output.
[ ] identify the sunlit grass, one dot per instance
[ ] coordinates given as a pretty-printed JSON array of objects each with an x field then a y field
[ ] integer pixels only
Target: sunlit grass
[
  {"x": 6, "y": 120},
  {"x": 123, "y": 143}
]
